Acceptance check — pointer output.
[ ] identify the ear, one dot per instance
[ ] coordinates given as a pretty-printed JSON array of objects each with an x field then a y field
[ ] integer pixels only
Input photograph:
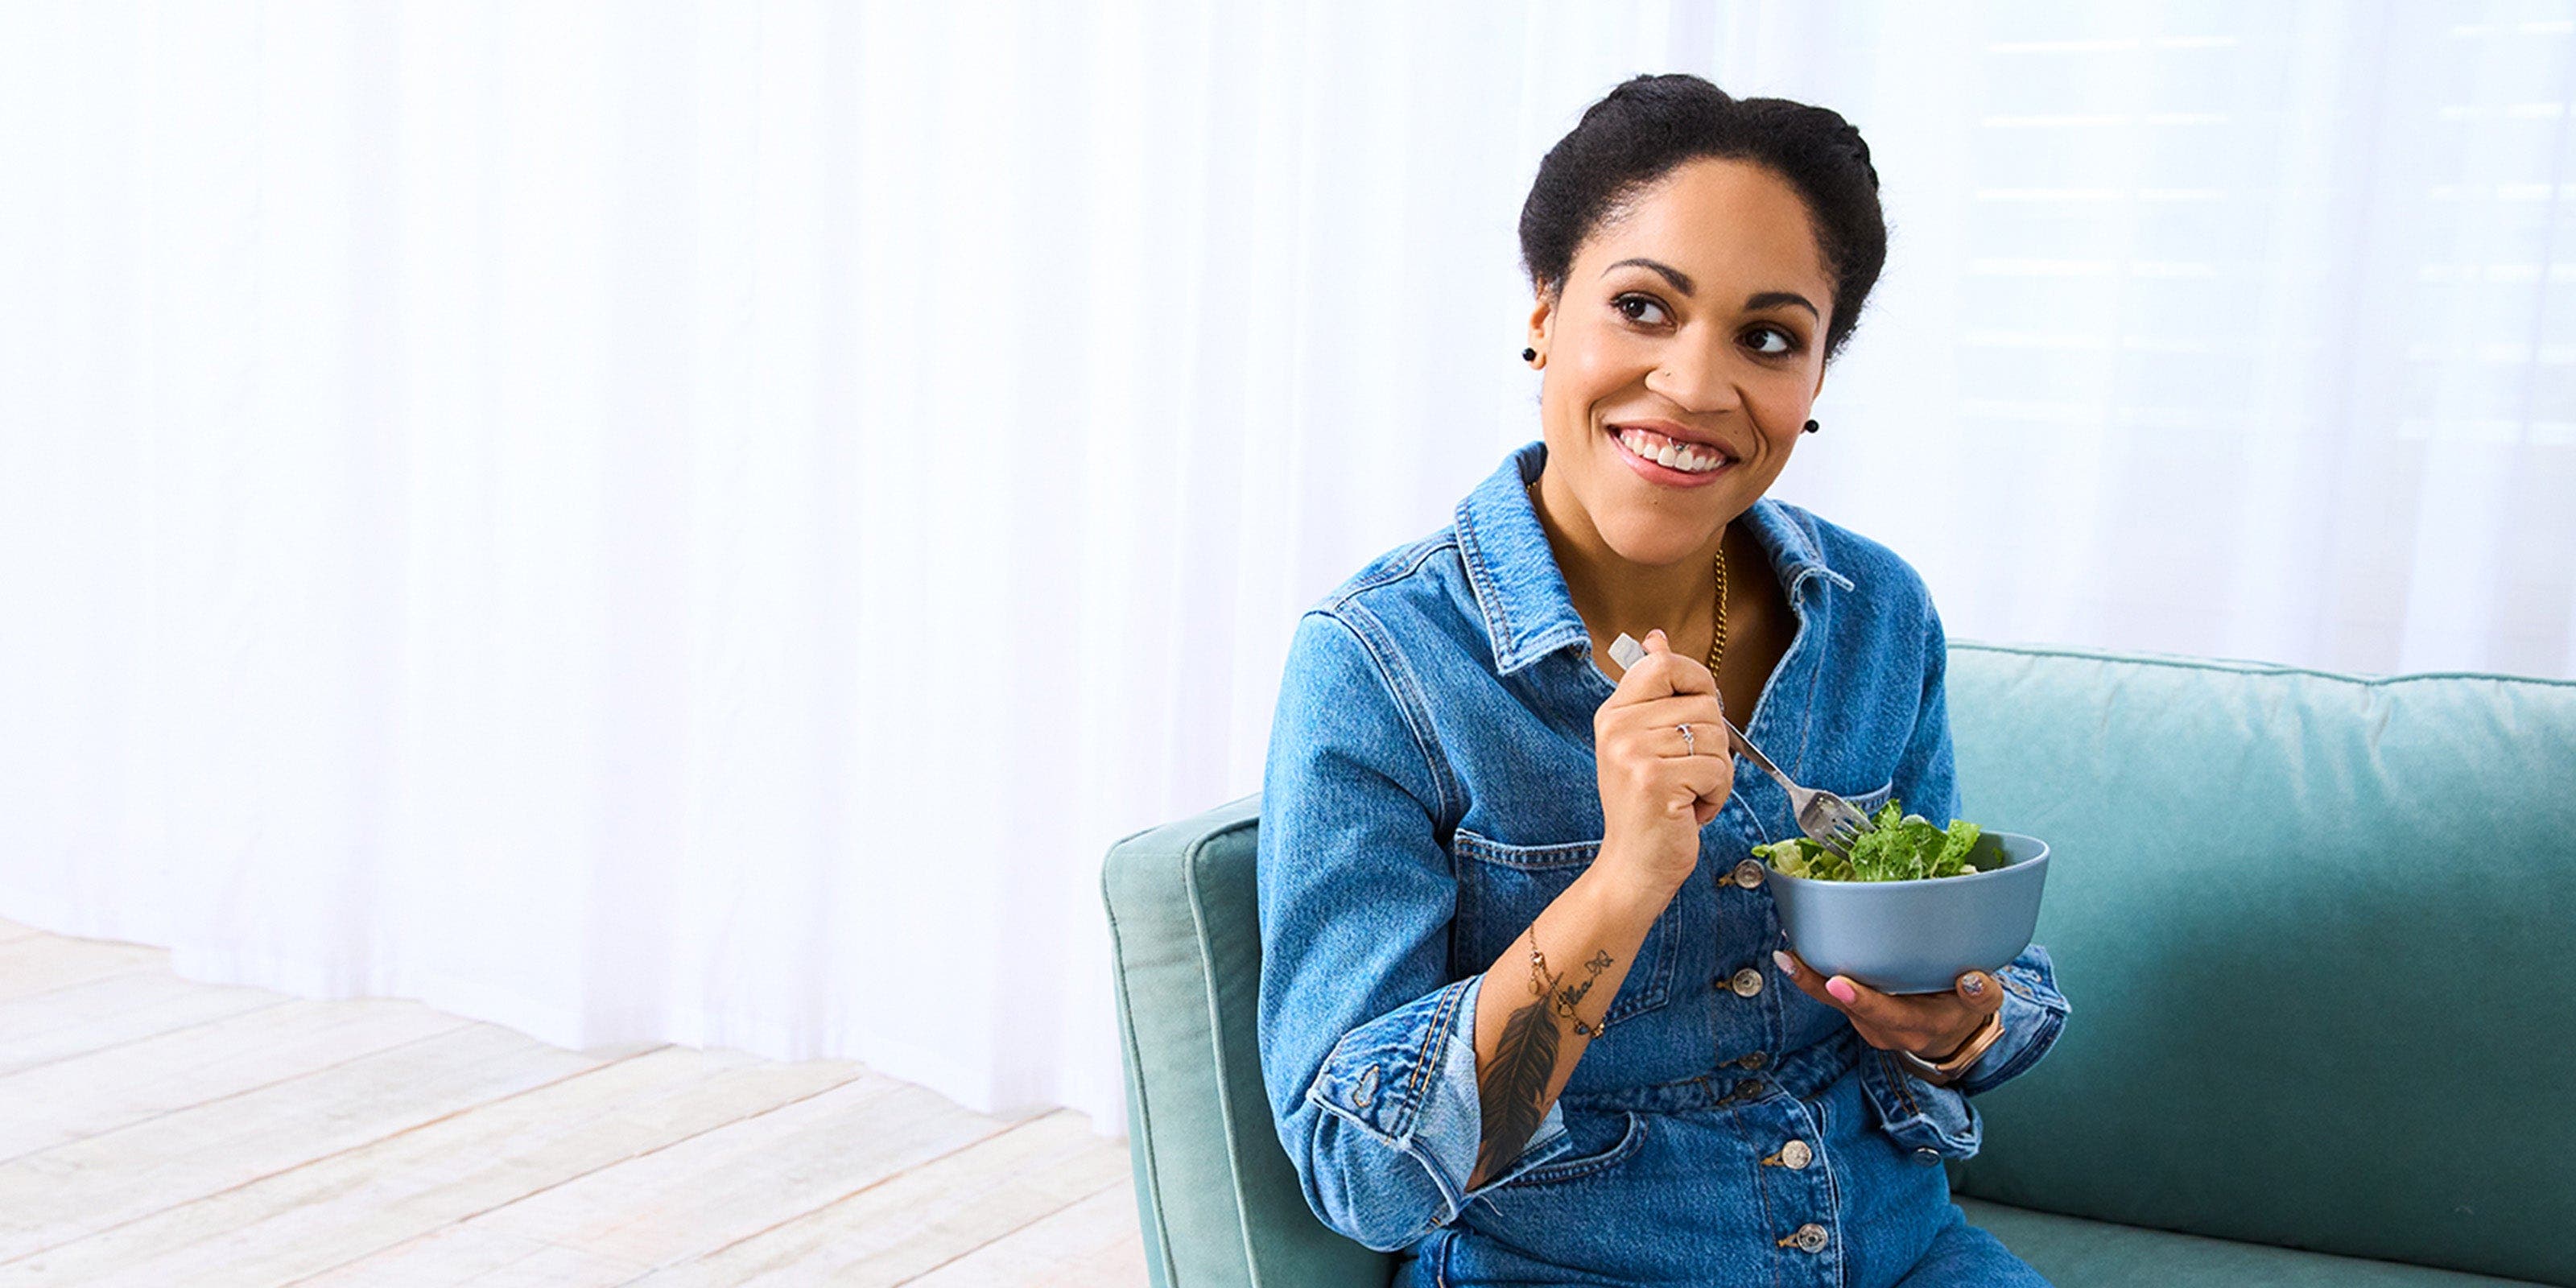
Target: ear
[{"x": 1542, "y": 320}]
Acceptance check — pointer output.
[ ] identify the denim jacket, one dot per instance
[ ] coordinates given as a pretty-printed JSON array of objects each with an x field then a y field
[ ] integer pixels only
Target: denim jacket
[{"x": 1431, "y": 788}]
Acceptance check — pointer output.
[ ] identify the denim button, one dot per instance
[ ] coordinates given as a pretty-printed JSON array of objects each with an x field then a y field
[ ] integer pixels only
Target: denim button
[
  {"x": 1809, "y": 1238},
  {"x": 1747, "y": 982},
  {"x": 1753, "y": 1059},
  {"x": 1748, "y": 1089},
  {"x": 1796, "y": 1155},
  {"x": 1748, "y": 874},
  {"x": 1927, "y": 1157}
]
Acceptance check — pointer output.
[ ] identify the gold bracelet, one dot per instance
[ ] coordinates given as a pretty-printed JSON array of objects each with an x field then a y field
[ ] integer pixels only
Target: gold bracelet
[
  {"x": 1538, "y": 989},
  {"x": 1941, "y": 1072}
]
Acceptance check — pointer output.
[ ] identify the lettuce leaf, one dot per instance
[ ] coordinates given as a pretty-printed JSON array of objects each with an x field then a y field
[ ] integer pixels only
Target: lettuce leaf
[{"x": 1901, "y": 847}]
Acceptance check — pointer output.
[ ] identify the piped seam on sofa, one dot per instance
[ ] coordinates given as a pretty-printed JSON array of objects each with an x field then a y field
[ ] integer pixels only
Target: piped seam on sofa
[
  {"x": 1216, "y": 1031},
  {"x": 2247, "y": 666}
]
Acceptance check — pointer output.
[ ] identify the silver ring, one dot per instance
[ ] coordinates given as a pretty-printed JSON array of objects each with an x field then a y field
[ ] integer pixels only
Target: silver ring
[{"x": 1690, "y": 745}]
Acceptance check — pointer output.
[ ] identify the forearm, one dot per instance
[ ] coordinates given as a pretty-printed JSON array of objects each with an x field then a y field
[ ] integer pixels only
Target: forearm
[{"x": 1526, "y": 1040}]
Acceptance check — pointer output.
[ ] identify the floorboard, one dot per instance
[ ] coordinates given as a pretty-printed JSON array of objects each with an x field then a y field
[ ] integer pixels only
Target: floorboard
[{"x": 156, "y": 1131}]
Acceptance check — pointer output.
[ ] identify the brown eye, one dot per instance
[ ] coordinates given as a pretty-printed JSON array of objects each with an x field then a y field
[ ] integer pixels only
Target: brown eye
[
  {"x": 1643, "y": 310},
  {"x": 1771, "y": 341}
]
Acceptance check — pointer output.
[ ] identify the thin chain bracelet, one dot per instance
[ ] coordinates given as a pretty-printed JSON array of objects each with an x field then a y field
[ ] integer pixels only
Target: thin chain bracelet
[{"x": 1538, "y": 988}]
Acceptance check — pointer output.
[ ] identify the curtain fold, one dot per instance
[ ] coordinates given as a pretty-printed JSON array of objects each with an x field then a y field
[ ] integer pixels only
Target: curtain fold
[{"x": 701, "y": 522}]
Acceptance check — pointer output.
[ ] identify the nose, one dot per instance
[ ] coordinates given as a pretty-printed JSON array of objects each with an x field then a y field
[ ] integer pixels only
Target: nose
[{"x": 1696, "y": 378}]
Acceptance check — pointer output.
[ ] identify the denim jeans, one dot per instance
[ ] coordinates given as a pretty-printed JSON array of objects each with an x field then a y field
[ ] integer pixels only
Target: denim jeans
[{"x": 1430, "y": 789}]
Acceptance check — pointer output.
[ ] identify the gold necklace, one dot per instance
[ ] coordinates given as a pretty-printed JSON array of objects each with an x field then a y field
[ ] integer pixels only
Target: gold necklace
[{"x": 1717, "y": 641}]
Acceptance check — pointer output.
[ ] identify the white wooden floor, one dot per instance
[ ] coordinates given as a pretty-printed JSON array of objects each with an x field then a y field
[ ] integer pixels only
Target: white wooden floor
[{"x": 157, "y": 1132}]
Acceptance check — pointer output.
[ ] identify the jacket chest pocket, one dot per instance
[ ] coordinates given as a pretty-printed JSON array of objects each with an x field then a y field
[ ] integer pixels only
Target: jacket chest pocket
[{"x": 1502, "y": 888}]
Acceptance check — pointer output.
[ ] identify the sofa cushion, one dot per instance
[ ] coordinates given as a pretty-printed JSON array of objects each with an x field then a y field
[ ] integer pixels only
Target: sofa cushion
[
  {"x": 2097, "y": 1254},
  {"x": 2316, "y": 930},
  {"x": 1219, "y": 1198}
]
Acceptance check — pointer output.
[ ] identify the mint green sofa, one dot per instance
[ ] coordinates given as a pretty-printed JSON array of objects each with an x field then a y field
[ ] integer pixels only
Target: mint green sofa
[{"x": 2320, "y": 933}]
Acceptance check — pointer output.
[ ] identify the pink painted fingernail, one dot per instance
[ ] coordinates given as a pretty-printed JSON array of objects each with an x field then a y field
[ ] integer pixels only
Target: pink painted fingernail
[
  {"x": 1973, "y": 985},
  {"x": 1840, "y": 987},
  {"x": 1788, "y": 965}
]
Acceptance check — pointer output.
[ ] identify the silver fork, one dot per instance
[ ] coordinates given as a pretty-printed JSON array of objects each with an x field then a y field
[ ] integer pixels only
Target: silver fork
[{"x": 1827, "y": 819}]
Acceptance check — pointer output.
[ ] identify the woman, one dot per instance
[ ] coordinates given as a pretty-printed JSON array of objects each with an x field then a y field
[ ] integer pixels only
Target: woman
[{"x": 1523, "y": 1019}]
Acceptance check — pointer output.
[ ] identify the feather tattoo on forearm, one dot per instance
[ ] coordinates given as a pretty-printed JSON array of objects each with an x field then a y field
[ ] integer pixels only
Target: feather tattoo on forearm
[{"x": 1512, "y": 1092}]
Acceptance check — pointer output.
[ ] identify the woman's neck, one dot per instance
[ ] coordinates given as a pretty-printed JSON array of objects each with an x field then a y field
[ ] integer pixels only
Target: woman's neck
[{"x": 1615, "y": 595}]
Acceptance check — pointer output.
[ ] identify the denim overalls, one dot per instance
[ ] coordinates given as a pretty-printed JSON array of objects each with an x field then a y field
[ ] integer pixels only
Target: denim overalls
[{"x": 1430, "y": 788}]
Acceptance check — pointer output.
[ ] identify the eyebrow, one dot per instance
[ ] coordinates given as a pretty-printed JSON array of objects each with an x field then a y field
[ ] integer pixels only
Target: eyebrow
[
  {"x": 1681, "y": 282},
  {"x": 1774, "y": 299}
]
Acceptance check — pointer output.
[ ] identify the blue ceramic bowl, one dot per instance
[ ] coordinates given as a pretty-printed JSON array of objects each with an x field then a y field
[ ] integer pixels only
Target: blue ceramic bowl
[{"x": 1919, "y": 936}]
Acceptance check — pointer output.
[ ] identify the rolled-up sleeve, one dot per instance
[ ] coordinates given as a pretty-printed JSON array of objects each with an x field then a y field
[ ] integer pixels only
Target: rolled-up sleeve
[
  {"x": 1367, "y": 1045},
  {"x": 2033, "y": 1012},
  {"x": 1920, "y": 1114}
]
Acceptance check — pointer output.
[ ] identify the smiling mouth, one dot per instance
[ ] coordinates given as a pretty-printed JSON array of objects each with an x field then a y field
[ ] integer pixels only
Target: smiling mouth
[{"x": 1671, "y": 453}]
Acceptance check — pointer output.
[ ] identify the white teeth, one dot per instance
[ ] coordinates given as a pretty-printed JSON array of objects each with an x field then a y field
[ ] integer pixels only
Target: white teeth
[{"x": 1668, "y": 453}]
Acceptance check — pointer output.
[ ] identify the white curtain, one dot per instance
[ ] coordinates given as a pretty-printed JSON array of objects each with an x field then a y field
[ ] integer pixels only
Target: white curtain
[{"x": 702, "y": 522}]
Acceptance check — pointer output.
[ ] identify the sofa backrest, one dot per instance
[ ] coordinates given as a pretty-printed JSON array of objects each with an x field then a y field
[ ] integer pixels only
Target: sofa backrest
[
  {"x": 2319, "y": 935},
  {"x": 1219, "y": 1199}
]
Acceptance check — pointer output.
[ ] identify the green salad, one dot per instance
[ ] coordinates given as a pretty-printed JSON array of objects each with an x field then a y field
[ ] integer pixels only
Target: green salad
[{"x": 1900, "y": 847}]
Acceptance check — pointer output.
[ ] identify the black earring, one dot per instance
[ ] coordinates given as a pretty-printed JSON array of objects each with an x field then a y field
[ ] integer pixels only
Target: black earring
[
  {"x": 1529, "y": 355},
  {"x": 1812, "y": 427}
]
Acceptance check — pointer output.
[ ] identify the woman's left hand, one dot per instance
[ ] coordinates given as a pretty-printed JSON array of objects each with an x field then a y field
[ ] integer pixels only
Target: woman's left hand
[{"x": 1931, "y": 1025}]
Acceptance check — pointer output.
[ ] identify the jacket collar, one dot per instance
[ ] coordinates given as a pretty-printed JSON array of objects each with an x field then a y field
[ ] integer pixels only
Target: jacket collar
[{"x": 1520, "y": 592}]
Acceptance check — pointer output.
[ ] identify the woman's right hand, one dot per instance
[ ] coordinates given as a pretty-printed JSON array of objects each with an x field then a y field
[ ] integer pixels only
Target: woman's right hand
[{"x": 1658, "y": 789}]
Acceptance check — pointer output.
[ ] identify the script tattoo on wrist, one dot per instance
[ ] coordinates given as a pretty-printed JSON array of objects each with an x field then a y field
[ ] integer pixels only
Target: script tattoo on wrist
[{"x": 1568, "y": 996}]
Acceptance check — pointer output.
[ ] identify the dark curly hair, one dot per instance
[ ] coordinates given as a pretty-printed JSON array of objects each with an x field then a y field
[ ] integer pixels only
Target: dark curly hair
[{"x": 1644, "y": 129}]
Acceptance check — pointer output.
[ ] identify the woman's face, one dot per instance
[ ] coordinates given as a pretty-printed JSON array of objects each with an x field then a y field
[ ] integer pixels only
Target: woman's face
[{"x": 1680, "y": 357}]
